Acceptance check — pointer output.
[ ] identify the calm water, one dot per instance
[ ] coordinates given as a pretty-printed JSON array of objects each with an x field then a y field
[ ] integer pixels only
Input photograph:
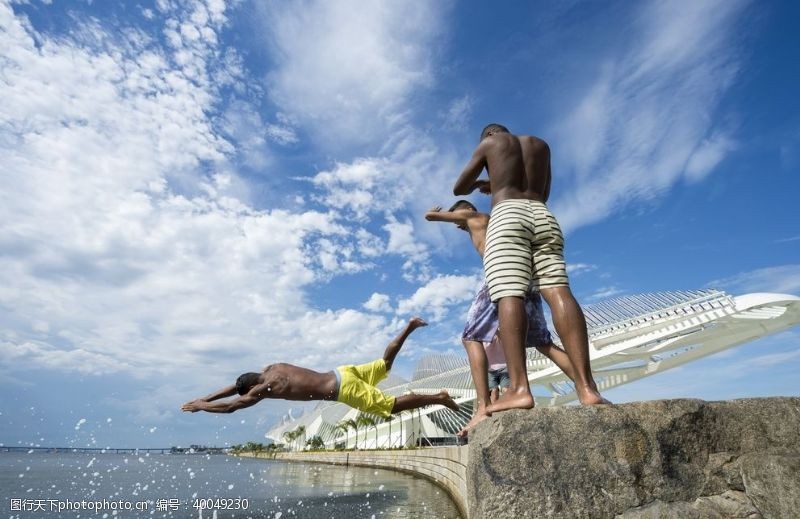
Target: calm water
[{"x": 272, "y": 489}]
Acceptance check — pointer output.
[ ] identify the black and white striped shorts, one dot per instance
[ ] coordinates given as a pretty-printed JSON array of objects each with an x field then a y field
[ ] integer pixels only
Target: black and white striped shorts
[{"x": 524, "y": 247}]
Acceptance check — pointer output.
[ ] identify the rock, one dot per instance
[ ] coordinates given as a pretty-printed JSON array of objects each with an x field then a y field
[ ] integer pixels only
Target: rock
[
  {"x": 729, "y": 505},
  {"x": 668, "y": 458},
  {"x": 773, "y": 483},
  {"x": 662, "y": 510}
]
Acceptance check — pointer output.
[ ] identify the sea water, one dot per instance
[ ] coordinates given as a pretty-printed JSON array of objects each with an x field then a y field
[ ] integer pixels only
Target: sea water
[{"x": 77, "y": 485}]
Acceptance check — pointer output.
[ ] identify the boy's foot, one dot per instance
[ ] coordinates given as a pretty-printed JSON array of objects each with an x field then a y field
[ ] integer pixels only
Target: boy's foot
[
  {"x": 590, "y": 396},
  {"x": 512, "y": 400},
  {"x": 478, "y": 418},
  {"x": 446, "y": 401},
  {"x": 416, "y": 322}
]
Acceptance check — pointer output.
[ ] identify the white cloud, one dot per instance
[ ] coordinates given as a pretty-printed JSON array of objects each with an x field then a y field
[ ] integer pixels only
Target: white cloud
[
  {"x": 30, "y": 353},
  {"x": 347, "y": 69},
  {"x": 127, "y": 240},
  {"x": 378, "y": 302},
  {"x": 459, "y": 112},
  {"x": 576, "y": 269},
  {"x": 433, "y": 300},
  {"x": 605, "y": 293},
  {"x": 784, "y": 279},
  {"x": 282, "y": 134},
  {"x": 707, "y": 155},
  {"x": 647, "y": 121}
]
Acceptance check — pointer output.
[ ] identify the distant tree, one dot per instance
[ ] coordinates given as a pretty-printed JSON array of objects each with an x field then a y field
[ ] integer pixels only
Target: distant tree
[
  {"x": 315, "y": 442},
  {"x": 344, "y": 427},
  {"x": 389, "y": 419},
  {"x": 352, "y": 424},
  {"x": 367, "y": 421},
  {"x": 300, "y": 431}
]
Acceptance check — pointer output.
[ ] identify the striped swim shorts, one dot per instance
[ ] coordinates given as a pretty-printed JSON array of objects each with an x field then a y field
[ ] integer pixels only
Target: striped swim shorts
[{"x": 524, "y": 247}]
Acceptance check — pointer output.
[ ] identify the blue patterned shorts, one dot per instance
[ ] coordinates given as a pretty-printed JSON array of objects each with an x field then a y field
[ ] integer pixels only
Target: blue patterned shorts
[{"x": 482, "y": 319}]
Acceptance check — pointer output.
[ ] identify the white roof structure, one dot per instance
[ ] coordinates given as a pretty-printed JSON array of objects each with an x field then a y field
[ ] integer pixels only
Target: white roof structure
[{"x": 631, "y": 337}]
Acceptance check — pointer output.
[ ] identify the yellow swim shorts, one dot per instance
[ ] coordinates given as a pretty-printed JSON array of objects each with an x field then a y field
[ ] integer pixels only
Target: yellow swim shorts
[{"x": 357, "y": 388}]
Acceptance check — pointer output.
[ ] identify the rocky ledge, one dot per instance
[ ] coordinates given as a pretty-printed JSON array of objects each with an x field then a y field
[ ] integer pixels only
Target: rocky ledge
[{"x": 659, "y": 459}]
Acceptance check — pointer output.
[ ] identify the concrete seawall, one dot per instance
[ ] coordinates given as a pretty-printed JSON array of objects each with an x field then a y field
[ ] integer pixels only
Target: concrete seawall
[
  {"x": 445, "y": 466},
  {"x": 661, "y": 459}
]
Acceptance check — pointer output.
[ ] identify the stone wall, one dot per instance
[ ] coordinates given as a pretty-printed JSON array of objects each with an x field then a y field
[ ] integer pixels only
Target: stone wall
[
  {"x": 660, "y": 459},
  {"x": 445, "y": 466}
]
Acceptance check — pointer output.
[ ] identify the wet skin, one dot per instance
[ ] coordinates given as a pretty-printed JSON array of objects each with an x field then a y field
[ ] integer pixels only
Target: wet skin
[
  {"x": 289, "y": 382},
  {"x": 519, "y": 168}
]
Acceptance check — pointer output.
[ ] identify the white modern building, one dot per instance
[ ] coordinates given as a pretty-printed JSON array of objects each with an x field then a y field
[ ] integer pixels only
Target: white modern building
[{"x": 630, "y": 338}]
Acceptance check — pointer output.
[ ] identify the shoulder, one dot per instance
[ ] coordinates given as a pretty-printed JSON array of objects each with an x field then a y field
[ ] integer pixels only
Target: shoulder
[
  {"x": 534, "y": 142},
  {"x": 478, "y": 220}
]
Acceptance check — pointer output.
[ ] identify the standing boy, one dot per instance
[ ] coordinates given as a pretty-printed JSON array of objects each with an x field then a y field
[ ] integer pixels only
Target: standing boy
[
  {"x": 523, "y": 246},
  {"x": 480, "y": 332}
]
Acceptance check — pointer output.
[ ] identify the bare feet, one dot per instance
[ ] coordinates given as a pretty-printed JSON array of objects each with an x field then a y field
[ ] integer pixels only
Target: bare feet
[
  {"x": 446, "y": 401},
  {"x": 512, "y": 400},
  {"x": 416, "y": 322},
  {"x": 478, "y": 418},
  {"x": 590, "y": 396}
]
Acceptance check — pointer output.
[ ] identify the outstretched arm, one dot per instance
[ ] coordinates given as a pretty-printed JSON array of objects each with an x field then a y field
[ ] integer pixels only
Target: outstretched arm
[
  {"x": 466, "y": 183},
  {"x": 436, "y": 214},
  {"x": 225, "y": 392},
  {"x": 220, "y": 407}
]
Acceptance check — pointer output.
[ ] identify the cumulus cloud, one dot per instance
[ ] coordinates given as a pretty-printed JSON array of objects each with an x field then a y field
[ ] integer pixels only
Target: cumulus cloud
[
  {"x": 646, "y": 121},
  {"x": 435, "y": 298},
  {"x": 128, "y": 243},
  {"x": 346, "y": 70},
  {"x": 378, "y": 302}
]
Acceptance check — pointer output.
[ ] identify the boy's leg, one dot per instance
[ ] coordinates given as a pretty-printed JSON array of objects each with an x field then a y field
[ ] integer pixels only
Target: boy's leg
[
  {"x": 512, "y": 333},
  {"x": 476, "y": 354},
  {"x": 559, "y": 358},
  {"x": 394, "y": 347},
  {"x": 503, "y": 381},
  {"x": 413, "y": 401},
  {"x": 571, "y": 327}
]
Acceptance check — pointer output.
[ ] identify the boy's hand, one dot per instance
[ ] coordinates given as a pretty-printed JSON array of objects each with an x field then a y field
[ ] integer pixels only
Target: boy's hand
[
  {"x": 434, "y": 209},
  {"x": 192, "y": 406},
  {"x": 484, "y": 186}
]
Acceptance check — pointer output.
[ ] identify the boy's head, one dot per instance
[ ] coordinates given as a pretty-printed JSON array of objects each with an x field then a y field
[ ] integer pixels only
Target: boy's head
[
  {"x": 246, "y": 381},
  {"x": 462, "y": 205},
  {"x": 493, "y": 128}
]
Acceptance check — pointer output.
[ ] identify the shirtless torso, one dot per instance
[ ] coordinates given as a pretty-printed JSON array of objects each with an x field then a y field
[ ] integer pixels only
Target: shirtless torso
[
  {"x": 524, "y": 245},
  {"x": 518, "y": 167}
]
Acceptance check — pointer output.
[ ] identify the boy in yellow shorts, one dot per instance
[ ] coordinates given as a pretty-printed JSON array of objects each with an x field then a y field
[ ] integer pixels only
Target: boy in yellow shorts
[{"x": 351, "y": 385}]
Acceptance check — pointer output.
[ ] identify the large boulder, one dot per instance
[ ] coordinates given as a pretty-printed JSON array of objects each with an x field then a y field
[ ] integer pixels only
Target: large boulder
[{"x": 667, "y": 458}]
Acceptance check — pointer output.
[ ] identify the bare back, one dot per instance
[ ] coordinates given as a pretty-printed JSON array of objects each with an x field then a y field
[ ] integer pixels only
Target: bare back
[
  {"x": 519, "y": 167},
  {"x": 536, "y": 157},
  {"x": 476, "y": 226},
  {"x": 289, "y": 382}
]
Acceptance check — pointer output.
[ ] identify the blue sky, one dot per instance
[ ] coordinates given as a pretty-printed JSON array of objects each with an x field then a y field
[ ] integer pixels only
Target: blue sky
[{"x": 191, "y": 190}]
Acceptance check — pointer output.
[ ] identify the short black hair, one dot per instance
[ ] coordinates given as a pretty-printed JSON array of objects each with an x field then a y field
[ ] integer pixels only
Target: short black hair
[
  {"x": 245, "y": 382},
  {"x": 494, "y": 126},
  {"x": 463, "y": 203}
]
